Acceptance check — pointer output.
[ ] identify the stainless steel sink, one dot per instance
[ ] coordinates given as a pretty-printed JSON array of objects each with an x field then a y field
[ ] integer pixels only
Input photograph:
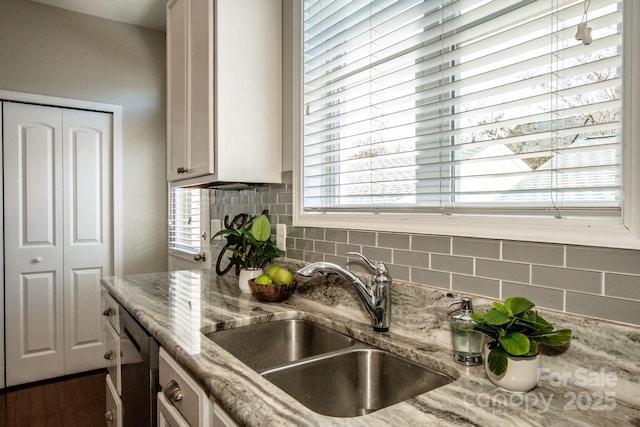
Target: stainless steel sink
[
  {"x": 326, "y": 371},
  {"x": 355, "y": 382},
  {"x": 266, "y": 345}
]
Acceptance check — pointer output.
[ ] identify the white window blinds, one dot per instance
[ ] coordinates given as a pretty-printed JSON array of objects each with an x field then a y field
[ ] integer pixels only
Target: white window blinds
[
  {"x": 184, "y": 219},
  {"x": 463, "y": 107}
]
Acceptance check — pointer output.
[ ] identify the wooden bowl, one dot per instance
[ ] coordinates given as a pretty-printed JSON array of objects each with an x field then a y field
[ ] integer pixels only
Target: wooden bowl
[{"x": 272, "y": 293}]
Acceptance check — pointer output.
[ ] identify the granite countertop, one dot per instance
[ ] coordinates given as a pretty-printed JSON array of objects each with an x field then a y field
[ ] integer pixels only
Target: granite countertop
[{"x": 593, "y": 382}]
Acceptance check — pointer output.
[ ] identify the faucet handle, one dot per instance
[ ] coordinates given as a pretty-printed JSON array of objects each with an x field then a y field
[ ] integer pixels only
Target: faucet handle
[
  {"x": 381, "y": 275},
  {"x": 365, "y": 259}
]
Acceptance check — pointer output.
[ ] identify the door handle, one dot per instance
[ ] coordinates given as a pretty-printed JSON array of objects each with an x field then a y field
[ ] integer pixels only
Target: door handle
[
  {"x": 108, "y": 312},
  {"x": 108, "y": 355}
]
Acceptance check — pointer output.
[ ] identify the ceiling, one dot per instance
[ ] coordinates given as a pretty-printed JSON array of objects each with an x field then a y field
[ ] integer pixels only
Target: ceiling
[{"x": 145, "y": 13}]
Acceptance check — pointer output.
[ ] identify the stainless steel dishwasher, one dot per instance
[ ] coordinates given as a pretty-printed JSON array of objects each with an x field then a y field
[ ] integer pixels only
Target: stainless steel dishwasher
[{"x": 139, "y": 373}]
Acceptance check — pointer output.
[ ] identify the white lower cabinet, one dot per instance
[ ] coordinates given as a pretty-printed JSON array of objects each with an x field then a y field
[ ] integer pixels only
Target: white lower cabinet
[
  {"x": 111, "y": 338},
  {"x": 183, "y": 402},
  {"x": 113, "y": 413}
]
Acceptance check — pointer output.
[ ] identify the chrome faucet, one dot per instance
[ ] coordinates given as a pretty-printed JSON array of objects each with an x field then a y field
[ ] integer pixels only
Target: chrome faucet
[{"x": 376, "y": 296}]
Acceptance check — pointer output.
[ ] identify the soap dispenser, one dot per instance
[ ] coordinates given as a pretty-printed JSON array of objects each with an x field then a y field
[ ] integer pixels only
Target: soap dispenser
[{"x": 467, "y": 343}]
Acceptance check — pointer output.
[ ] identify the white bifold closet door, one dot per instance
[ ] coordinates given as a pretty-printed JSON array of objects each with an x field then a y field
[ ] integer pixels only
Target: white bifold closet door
[{"x": 58, "y": 238}]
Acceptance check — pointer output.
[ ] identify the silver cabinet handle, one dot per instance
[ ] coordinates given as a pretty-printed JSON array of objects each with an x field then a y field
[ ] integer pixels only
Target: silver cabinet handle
[
  {"x": 108, "y": 312},
  {"x": 172, "y": 391},
  {"x": 108, "y": 355},
  {"x": 200, "y": 257},
  {"x": 108, "y": 416}
]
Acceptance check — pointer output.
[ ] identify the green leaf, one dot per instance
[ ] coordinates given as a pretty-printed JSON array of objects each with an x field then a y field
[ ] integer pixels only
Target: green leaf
[
  {"x": 541, "y": 324},
  {"x": 495, "y": 317},
  {"x": 556, "y": 338},
  {"x": 224, "y": 232},
  {"x": 249, "y": 236},
  {"x": 498, "y": 306},
  {"x": 477, "y": 316},
  {"x": 515, "y": 343},
  {"x": 497, "y": 361},
  {"x": 490, "y": 331},
  {"x": 518, "y": 305},
  {"x": 533, "y": 348},
  {"x": 261, "y": 228}
]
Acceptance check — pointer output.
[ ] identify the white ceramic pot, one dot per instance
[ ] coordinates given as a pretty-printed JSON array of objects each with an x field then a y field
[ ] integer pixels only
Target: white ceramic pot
[
  {"x": 247, "y": 274},
  {"x": 522, "y": 373}
]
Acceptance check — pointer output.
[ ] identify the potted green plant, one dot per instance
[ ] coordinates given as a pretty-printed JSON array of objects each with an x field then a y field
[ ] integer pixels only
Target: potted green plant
[
  {"x": 517, "y": 332},
  {"x": 251, "y": 247}
]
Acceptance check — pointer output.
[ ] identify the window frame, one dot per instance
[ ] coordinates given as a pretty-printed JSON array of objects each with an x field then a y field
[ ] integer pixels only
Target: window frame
[
  {"x": 614, "y": 234},
  {"x": 184, "y": 253}
]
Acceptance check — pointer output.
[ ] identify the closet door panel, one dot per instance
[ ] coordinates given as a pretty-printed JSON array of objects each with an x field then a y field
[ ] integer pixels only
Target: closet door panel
[
  {"x": 32, "y": 140},
  {"x": 88, "y": 247}
]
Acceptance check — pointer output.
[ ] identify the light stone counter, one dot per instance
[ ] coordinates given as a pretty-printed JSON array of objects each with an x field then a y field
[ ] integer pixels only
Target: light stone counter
[{"x": 594, "y": 382}]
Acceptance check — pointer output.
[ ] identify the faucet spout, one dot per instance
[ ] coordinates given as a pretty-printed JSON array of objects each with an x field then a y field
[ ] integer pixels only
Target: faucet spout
[{"x": 376, "y": 297}]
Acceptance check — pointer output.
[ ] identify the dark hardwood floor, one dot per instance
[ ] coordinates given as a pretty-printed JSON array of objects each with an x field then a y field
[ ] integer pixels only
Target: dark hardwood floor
[{"x": 73, "y": 401}]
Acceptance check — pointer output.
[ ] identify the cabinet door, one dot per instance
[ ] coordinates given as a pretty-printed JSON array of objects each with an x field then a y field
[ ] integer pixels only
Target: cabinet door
[
  {"x": 200, "y": 152},
  {"x": 190, "y": 144},
  {"x": 177, "y": 108},
  {"x": 113, "y": 412},
  {"x": 33, "y": 242},
  {"x": 112, "y": 356}
]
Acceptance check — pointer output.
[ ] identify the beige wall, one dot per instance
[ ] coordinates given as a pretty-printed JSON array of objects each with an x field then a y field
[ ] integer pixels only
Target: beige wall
[{"x": 55, "y": 52}]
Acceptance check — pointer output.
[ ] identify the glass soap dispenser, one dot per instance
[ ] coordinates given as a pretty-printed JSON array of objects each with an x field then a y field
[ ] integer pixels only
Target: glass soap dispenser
[{"x": 467, "y": 343}]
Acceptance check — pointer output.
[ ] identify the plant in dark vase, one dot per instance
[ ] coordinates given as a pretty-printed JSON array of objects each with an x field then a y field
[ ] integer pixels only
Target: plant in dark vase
[
  {"x": 251, "y": 248},
  {"x": 517, "y": 332}
]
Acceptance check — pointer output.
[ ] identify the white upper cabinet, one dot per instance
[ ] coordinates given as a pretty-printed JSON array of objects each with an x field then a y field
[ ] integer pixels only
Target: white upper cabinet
[{"x": 224, "y": 74}]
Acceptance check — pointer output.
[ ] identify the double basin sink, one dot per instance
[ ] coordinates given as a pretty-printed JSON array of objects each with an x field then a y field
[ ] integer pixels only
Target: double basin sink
[{"x": 328, "y": 372}]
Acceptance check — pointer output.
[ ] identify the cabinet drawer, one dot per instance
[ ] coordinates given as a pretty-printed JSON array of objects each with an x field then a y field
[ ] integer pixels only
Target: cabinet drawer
[
  {"x": 194, "y": 405},
  {"x": 113, "y": 414},
  {"x": 168, "y": 415},
  {"x": 111, "y": 310},
  {"x": 112, "y": 355}
]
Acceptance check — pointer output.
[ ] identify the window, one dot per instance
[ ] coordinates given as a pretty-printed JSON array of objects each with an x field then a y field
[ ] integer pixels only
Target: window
[
  {"x": 462, "y": 111},
  {"x": 185, "y": 233}
]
